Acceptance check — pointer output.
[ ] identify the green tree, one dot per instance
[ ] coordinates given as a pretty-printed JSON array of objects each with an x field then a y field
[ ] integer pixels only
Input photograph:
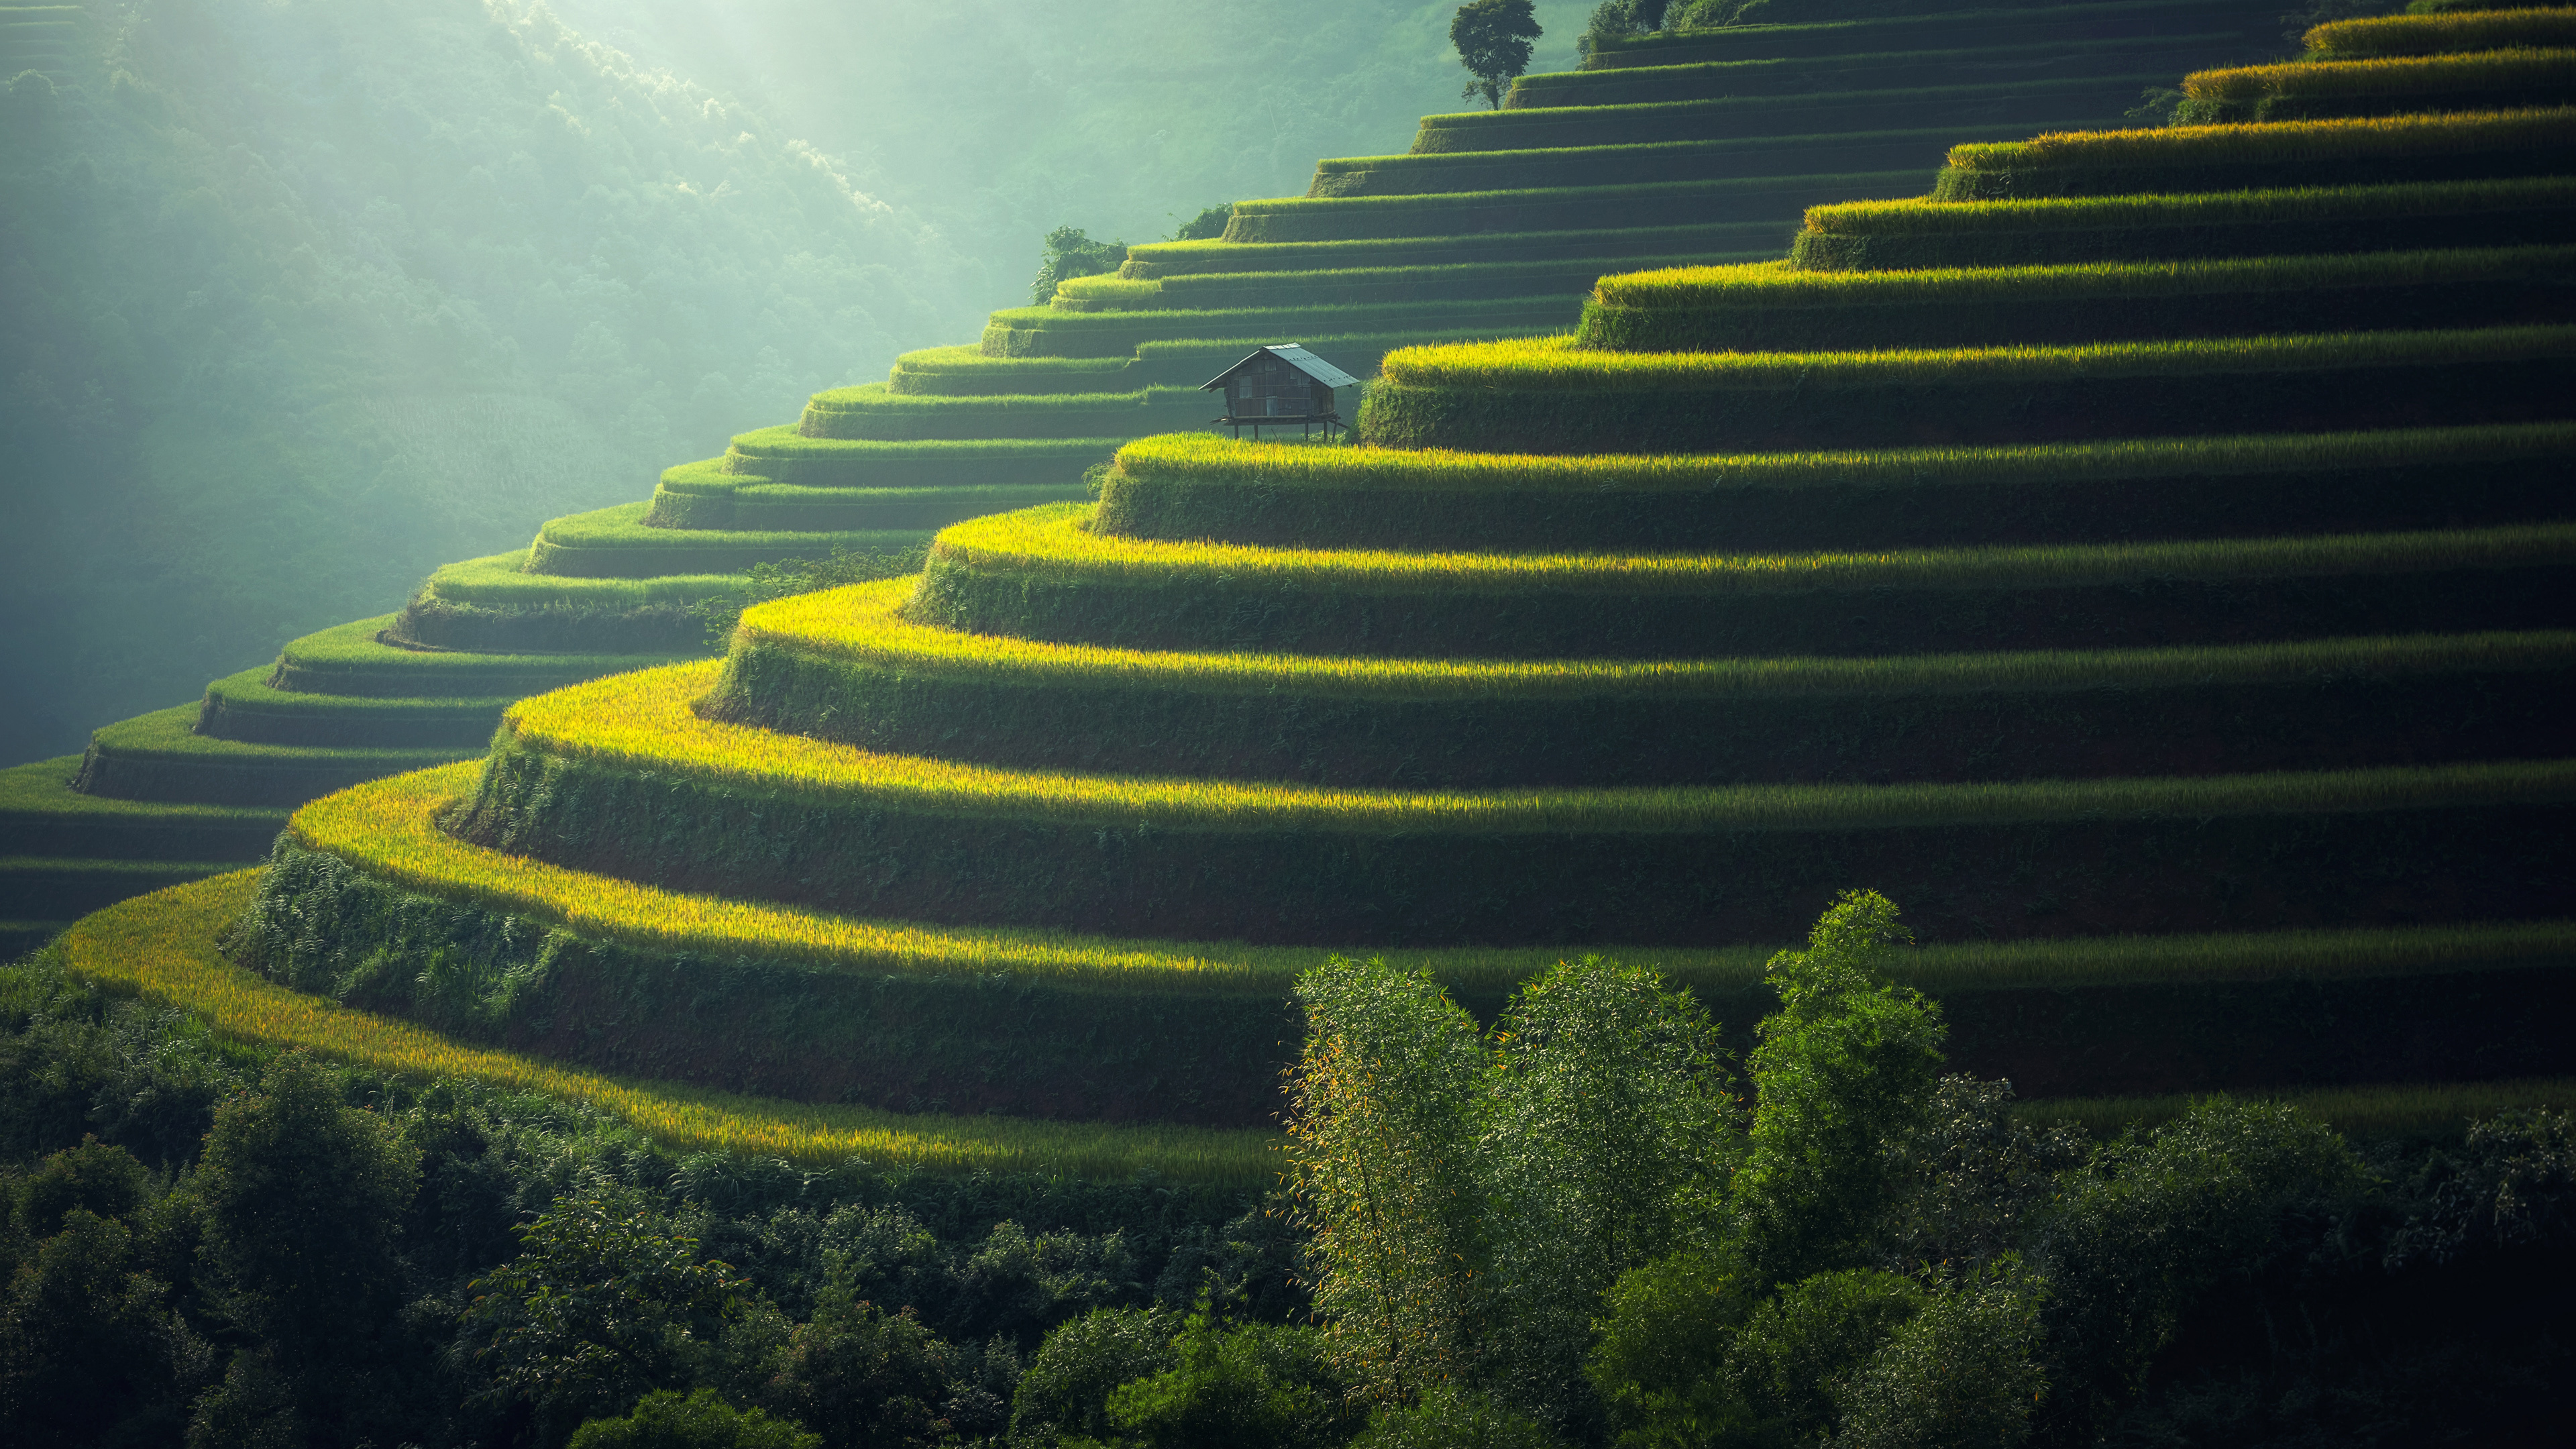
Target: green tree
[
  {"x": 1254, "y": 1385},
  {"x": 664, "y": 1420},
  {"x": 1067, "y": 1387},
  {"x": 1960, "y": 1371},
  {"x": 85, "y": 1342},
  {"x": 856, "y": 1374},
  {"x": 1493, "y": 39},
  {"x": 2152, "y": 1223},
  {"x": 602, "y": 1304},
  {"x": 1845, "y": 1068},
  {"x": 98, "y": 1176},
  {"x": 1452, "y": 1419},
  {"x": 1208, "y": 225},
  {"x": 1609, "y": 1124},
  {"x": 1069, "y": 254},
  {"x": 1667, "y": 1335},
  {"x": 304, "y": 1197},
  {"x": 1383, "y": 1109}
]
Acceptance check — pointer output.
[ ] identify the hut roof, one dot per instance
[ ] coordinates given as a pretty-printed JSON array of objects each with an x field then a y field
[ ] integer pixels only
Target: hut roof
[{"x": 1296, "y": 357}]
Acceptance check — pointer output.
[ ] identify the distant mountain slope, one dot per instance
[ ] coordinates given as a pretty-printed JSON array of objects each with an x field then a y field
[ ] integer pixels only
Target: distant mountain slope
[{"x": 301, "y": 300}]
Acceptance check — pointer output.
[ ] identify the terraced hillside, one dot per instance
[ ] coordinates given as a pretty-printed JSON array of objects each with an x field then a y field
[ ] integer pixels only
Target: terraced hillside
[
  {"x": 2184, "y": 640},
  {"x": 1495, "y": 225}
]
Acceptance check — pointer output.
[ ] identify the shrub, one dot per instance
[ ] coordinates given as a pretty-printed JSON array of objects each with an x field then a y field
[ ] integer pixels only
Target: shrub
[
  {"x": 665, "y": 1420},
  {"x": 1069, "y": 253},
  {"x": 1065, "y": 1391}
]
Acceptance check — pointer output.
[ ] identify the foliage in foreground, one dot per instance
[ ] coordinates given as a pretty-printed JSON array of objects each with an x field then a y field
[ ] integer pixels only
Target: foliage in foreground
[
  {"x": 1574, "y": 1216},
  {"x": 1573, "y": 1226}
]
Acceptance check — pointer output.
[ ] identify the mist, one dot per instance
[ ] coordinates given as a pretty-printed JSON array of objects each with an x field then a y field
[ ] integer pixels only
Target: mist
[{"x": 304, "y": 299}]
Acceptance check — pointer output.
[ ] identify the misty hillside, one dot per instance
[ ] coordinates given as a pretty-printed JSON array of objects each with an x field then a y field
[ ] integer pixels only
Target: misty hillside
[{"x": 304, "y": 299}]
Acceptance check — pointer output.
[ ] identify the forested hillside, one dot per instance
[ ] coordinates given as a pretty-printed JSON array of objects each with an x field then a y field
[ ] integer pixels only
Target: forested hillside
[{"x": 302, "y": 300}]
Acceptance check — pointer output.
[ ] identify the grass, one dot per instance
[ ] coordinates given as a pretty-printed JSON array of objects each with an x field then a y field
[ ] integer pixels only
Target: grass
[
  {"x": 1556, "y": 364},
  {"x": 864, "y": 624},
  {"x": 2288, "y": 141},
  {"x": 1907, "y": 69},
  {"x": 388, "y": 829},
  {"x": 1778, "y": 284},
  {"x": 873, "y": 397},
  {"x": 1203, "y": 458},
  {"x": 346, "y": 660},
  {"x": 1918, "y": 216},
  {"x": 1291, "y": 288},
  {"x": 2523, "y": 69},
  {"x": 1053, "y": 542},
  {"x": 169, "y": 735},
  {"x": 1829, "y": 37},
  {"x": 1213, "y": 258},
  {"x": 615, "y": 542},
  {"x": 499, "y": 581},
  {"x": 969, "y": 361},
  {"x": 41, "y": 814},
  {"x": 1759, "y": 115},
  {"x": 644, "y": 723},
  {"x": 250, "y": 694},
  {"x": 162, "y": 947},
  {"x": 2389, "y": 35},
  {"x": 1595, "y": 200},
  {"x": 751, "y": 504},
  {"x": 1247, "y": 320},
  {"x": 1424, "y": 173}
]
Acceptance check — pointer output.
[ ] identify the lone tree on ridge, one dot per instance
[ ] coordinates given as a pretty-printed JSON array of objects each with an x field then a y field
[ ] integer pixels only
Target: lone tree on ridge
[{"x": 1493, "y": 39}]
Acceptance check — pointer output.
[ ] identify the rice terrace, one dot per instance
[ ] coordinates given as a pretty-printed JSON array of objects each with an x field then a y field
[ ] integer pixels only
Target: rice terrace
[{"x": 1834, "y": 723}]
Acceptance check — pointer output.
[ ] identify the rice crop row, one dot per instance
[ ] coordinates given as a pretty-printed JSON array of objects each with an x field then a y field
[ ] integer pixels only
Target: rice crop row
[
  {"x": 343, "y": 659},
  {"x": 1148, "y": 336},
  {"x": 1917, "y": 216},
  {"x": 1210, "y": 323},
  {"x": 874, "y": 397},
  {"x": 170, "y": 735},
  {"x": 2532, "y": 129},
  {"x": 2025, "y": 102},
  {"x": 42, "y": 815},
  {"x": 162, "y": 947},
  {"x": 244, "y": 707},
  {"x": 2387, "y": 35},
  {"x": 500, "y": 581},
  {"x": 1166, "y": 260},
  {"x": 1976, "y": 27},
  {"x": 965, "y": 359},
  {"x": 387, "y": 829},
  {"x": 1886, "y": 236},
  {"x": 2522, "y": 69},
  {"x": 1597, "y": 200},
  {"x": 617, "y": 542},
  {"x": 645, "y": 722},
  {"x": 1778, "y": 284},
  {"x": 1630, "y": 162},
  {"x": 160, "y": 756},
  {"x": 1052, "y": 542},
  {"x": 2443, "y": 1108},
  {"x": 1356, "y": 283},
  {"x": 1863, "y": 72},
  {"x": 864, "y": 623},
  {"x": 1555, "y": 364},
  {"x": 758, "y": 505},
  {"x": 1204, "y": 458},
  {"x": 790, "y": 459},
  {"x": 39, "y": 895}
]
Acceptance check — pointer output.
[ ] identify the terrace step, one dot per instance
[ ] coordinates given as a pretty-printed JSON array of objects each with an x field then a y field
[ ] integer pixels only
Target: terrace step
[
  {"x": 1976, "y": 25},
  {"x": 616, "y": 543},
  {"x": 583, "y": 772},
  {"x": 33, "y": 888},
  {"x": 159, "y": 757},
  {"x": 1897, "y": 70},
  {"x": 41, "y": 815}
]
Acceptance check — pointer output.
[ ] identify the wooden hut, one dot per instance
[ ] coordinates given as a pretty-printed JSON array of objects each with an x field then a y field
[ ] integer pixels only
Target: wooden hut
[{"x": 1278, "y": 386}]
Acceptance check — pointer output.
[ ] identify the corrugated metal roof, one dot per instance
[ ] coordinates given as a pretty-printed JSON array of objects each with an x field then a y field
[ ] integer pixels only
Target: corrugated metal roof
[{"x": 1296, "y": 357}]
